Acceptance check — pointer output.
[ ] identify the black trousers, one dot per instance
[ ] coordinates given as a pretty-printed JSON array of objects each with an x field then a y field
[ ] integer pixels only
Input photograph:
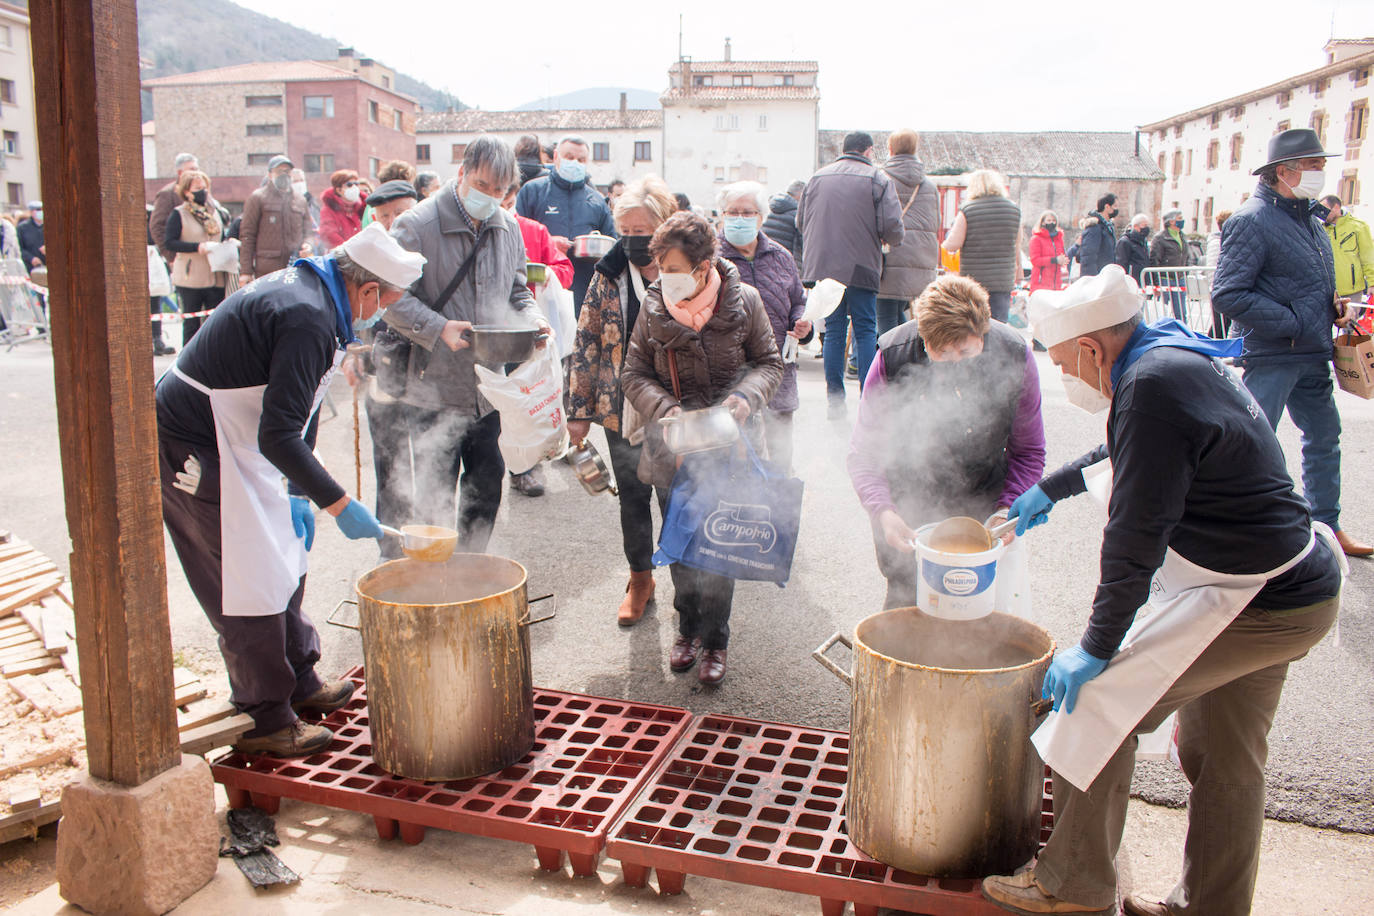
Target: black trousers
[
  {"x": 270, "y": 660},
  {"x": 196, "y": 300},
  {"x": 155, "y": 308},
  {"x": 636, "y": 497},
  {"x": 453, "y": 452},
  {"x": 388, "y": 424},
  {"x": 702, "y": 599}
]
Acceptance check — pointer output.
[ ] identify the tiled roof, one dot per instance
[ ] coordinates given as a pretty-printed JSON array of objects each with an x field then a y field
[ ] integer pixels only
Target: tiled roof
[
  {"x": 473, "y": 119},
  {"x": 1043, "y": 154},
  {"x": 742, "y": 94},
  {"x": 289, "y": 71},
  {"x": 753, "y": 66}
]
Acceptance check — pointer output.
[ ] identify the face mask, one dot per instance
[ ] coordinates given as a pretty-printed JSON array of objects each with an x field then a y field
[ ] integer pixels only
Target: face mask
[
  {"x": 362, "y": 324},
  {"x": 283, "y": 182},
  {"x": 200, "y": 197},
  {"x": 298, "y": 187},
  {"x": 352, "y": 194},
  {"x": 741, "y": 230},
  {"x": 1052, "y": 228},
  {"x": 38, "y": 217},
  {"x": 480, "y": 206},
  {"x": 1113, "y": 213},
  {"x": 1309, "y": 186},
  {"x": 1085, "y": 396},
  {"x": 571, "y": 171},
  {"x": 676, "y": 287},
  {"x": 637, "y": 249},
  {"x": 1144, "y": 231}
]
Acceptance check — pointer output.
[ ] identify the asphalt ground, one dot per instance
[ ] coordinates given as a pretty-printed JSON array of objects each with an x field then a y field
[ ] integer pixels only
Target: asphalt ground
[{"x": 1321, "y": 747}]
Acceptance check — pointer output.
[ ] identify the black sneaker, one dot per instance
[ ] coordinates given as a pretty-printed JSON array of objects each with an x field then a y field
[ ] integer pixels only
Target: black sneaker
[{"x": 531, "y": 483}]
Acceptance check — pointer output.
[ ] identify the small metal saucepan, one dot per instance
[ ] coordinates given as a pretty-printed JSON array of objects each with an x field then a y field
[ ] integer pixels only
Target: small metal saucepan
[
  {"x": 699, "y": 430},
  {"x": 535, "y": 272},
  {"x": 503, "y": 345},
  {"x": 592, "y": 245},
  {"x": 590, "y": 469}
]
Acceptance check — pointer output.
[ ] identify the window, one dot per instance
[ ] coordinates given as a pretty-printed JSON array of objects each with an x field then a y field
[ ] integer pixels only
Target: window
[
  {"x": 373, "y": 112},
  {"x": 601, "y": 152},
  {"x": 727, "y": 122},
  {"x": 1358, "y": 121},
  {"x": 1349, "y": 188},
  {"x": 262, "y": 101},
  {"x": 1285, "y": 98},
  {"x": 319, "y": 106},
  {"x": 1318, "y": 124},
  {"x": 1213, "y": 154},
  {"x": 763, "y": 122},
  {"x": 720, "y": 173},
  {"x": 459, "y": 149},
  {"x": 788, "y": 80},
  {"x": 6, "y": 37},
  {"x": 7, "y": 93},
  {"x": 1360, "y": 76},
  {"x": 386, "y": 82},
  {"x": 1178, "y": 130},
  {"x": 373, "y": 164},
  {"x": 703, "y": 81},
  {"x": 643, "y": 151},
  {"x": 422, "y": 152},
  {"x": 745, "y": 79},
  {"x": 264, "y": 130},
  {"x": 396, "y": 122},
  {"x": 1215, "y": 119},
  {"x": 734, "y": 173},
  {"x": 11, "y": 145},
  {"x": 319, "y": 162},
  {"x": 1236, "y": 141},
  {"x": 1188, "y": 169},
  {"x": 261, "y": 159},
  {"x": 1207, "y": 213},
  {"x": 1318, "y": 87},
  {"x": 1237, "y": 112},
  {"x": 1178, "y": 163},
  {"x": 1161, "y": 162},
  {"x": 1282, "y": 126},
  {"x": 1196, "y": 205},
  {"x": 14, "y": 191}
]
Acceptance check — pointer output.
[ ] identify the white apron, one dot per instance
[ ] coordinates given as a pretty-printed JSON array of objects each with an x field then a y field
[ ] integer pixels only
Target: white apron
[
  {"x": 261, "y": 558},
  {"x": 1188, "y": 608}
]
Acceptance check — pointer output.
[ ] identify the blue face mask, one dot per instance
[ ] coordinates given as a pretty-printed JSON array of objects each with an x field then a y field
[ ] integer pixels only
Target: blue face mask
[
  {"x": 571, "y": 171},
  {"x": 362, "y": 324},
  {"x": 480, "y": 206},
  {"x": 741, "y": 230}
]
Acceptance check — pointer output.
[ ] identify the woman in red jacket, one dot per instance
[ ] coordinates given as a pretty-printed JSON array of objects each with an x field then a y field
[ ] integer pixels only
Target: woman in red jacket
[
  {"x": 341, "y": 208},
  {"x": 1047, "y": 254}
]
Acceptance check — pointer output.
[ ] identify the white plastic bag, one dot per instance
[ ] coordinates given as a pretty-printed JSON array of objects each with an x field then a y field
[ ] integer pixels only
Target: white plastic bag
[
  {"x": 530, "y": 401},
  {"x": 823, "y": 299},
  {"x": 557, "y": 305},
  {"x": 224, "y": 256},
  {"x": 159, "y": 283}
]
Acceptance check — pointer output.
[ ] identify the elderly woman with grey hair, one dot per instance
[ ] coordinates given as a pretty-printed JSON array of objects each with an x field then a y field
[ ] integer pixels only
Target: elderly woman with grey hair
[
  {"x": 770, "y": 269},
  {"x": 423, "y": 359}
]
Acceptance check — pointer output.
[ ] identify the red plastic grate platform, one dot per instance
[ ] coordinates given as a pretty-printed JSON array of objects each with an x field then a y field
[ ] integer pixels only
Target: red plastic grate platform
[
  {"x": 762, "y": 803},
  {"x": 591, "y": 756}
]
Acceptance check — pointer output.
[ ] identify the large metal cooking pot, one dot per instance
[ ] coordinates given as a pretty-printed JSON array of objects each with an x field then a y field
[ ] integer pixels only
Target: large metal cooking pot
[
  {"x": 699, "y": 430},
  {"x": 503, "y": 345},
  {"x": 943, "y": 778},
  {"x": 447, "y": 661},
  {"x": 592, "y": 245}
]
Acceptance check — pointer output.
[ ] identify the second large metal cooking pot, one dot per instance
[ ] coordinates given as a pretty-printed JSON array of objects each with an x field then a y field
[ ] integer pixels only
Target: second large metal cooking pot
[
  {"x": 503, "y": 345},
  {"x": 592, "y": 245},
  {"x": 699, "y": 430}
]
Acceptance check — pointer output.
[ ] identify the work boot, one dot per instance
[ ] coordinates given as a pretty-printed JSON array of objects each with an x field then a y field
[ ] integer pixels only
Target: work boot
[
  {"x": 712, "y": 668},
  {"x": 638, "y": 593},
  {"x": 1352, "y": 547},
  {"x": 328, "y": 698},
  {"x": 296, "y": 740},
  {"x": 1021, "y": 894},
  {"x": 160, "y": 348},
  {"x": 1136, "y": 905},
  {"x": 683, "y": 655},
  {"x": 531, "y": 483}
]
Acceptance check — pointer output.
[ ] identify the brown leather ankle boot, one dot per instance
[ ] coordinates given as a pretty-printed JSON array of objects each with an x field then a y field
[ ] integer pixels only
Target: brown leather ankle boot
[{"x": 637, "y": 594}]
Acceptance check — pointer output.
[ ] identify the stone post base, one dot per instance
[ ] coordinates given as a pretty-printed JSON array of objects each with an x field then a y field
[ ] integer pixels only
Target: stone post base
[{"x": 139, "y": 850}]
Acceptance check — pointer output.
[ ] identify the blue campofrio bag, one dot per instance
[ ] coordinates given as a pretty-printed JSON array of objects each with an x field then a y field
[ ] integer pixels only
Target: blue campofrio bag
[{"x": 732, "y": 515}]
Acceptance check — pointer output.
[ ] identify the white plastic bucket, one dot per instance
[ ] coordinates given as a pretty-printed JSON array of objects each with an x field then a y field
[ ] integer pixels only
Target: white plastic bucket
[{"x": 958, "y": 586}]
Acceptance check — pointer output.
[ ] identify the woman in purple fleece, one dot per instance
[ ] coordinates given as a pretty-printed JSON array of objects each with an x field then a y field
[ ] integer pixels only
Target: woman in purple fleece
[
  {"x": 949, "y": 424},
  {"x": 770, "y": 269}
]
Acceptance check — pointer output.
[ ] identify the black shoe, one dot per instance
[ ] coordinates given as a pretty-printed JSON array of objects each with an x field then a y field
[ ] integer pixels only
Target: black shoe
[
  {"x": 530, "y": 483},
  {"x": 160, "y": 348}
]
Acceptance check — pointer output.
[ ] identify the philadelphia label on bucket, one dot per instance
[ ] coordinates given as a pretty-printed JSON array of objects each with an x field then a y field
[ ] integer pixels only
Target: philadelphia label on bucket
[{"x": 955, "y": 585}]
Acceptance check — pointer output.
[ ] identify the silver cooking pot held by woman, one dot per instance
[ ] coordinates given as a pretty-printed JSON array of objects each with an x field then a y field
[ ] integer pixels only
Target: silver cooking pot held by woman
[
  {"x": 699, "y": 430},
  {"x": 592, "y": 245}
]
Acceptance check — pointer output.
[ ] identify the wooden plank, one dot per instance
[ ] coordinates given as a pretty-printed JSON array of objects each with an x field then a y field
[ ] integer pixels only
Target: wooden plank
[
  {"x": 64, "y": 591},
  {"x": 183, "y": 676},
  {"x": 32, "y": 615},
  {"x": 54, "y": 630},
  {"x": 32, "y": 666},
  {"x": 28, "y": 579},
  {"x": 26, "y": 824},
  {"x": 14, "y": 549},
  {"x": 72, "y": 662},
  {"x": 206, "y": 738},
  {"x": 23, "y": 561},
  {"x": 25, "y": 799},
  {"x": 38, "y": 759},
  {"x": 61, "y": 686},
  {"x": 45, "y": 587},
  {"x": 60, "y": 609},
  {"x": 23, "y": 654},
  {"x": 203, "y": 713},
  {"x": 189, "y": 694},
  {"x": 22, "y": 636},
  {"x": 36, "y": 692}
]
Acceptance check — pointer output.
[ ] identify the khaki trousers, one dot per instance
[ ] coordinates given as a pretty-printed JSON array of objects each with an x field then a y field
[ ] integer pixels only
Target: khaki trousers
[{"x": 1225, "y": 703}]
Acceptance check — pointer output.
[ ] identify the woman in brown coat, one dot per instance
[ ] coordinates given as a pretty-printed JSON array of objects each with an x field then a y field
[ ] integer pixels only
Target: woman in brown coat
[{"x": 702, "y": 338}]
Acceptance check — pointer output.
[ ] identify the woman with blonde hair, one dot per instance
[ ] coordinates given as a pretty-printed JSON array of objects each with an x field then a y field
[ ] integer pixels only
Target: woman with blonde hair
[
  {"x": 986, "y": 233},
  {"x": 609, "y": 313},
  {"x": 193, "y": 229}
]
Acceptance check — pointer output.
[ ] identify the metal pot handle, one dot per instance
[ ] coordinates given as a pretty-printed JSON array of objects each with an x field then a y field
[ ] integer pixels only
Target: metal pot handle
[
  {"x": 528, "y": 621},
  {"x": 819, "y": 655},
  {"x": 1041, "y": 707},
  {"x": 338, "y": 607}
]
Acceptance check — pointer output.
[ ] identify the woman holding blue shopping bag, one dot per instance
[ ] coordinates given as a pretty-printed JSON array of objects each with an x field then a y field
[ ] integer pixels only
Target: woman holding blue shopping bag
[{"x": 703, "y": 339}]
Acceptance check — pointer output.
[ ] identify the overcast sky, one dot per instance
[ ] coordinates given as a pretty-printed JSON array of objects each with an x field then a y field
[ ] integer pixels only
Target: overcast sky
[{"x": 1025, "y": 65}]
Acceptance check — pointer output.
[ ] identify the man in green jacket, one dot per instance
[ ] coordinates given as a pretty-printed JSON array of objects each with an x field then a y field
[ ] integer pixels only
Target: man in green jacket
[{"x": 1353, "y": 249}]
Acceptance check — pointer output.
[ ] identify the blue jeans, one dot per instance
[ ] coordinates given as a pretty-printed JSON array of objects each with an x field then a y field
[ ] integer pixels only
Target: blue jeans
[
  {"x": 859, "y": 306},
  {"x": 1306, "y": 390},
  {"x": 891, "y": 313}
]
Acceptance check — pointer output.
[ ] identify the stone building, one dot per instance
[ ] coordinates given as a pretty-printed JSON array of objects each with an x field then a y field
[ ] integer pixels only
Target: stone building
[
  {"x": 625, "y": 144},
  {"x": 19, "y": 173},
  {"x": 1209, "y": 152},
  {"x": 325, "y": 115}
]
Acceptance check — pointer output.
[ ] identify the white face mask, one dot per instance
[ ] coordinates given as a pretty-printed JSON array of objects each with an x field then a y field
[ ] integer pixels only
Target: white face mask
[
  {"x": 1310, "y": 185},
  {"x": 676, "y": 287},
  {"x": 352, "y": 194},
  {"x": 1085, "y": 396},
  {"x": 298, "y": 187}
]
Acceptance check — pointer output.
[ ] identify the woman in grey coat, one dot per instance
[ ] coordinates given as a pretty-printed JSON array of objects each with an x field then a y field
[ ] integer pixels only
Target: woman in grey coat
[{"x": 910, "y": 266}]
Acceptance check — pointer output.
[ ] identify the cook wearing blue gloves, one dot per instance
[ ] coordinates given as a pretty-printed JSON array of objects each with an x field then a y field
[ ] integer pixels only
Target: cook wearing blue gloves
[
  {"x": 1031, "y": 508},
  {"x": 1070, "y": 670},
  {"x": 303, "y": 520},
  {"x": 356, "y": 521}
]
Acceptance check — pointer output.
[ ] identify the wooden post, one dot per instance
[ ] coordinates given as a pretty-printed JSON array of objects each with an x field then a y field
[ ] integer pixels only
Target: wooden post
[{"x": 85, "y": 61}]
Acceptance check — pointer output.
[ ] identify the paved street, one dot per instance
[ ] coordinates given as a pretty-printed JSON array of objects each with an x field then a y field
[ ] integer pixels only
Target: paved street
[{"x": 1322, "y": 745}]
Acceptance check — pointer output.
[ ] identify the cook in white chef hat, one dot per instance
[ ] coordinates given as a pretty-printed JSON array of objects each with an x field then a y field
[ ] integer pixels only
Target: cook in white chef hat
[
  {"x": 1090, "y": 304},
  {"x": 377, "y": 252}
]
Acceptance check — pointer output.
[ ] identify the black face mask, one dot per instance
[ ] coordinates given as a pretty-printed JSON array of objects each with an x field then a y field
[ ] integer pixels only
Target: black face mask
[
  {"x": 200, "y": 197},
  {"x": 1144, "y": 232},
  {"x": 637, "y": 249},
  {"x": 1113, "y": 213},
  {"x": 1052, "y": 228}
]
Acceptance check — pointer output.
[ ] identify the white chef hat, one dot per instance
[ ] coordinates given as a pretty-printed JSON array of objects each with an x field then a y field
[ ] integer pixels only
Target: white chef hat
[
  {"x": 377, "y": 252},
  {"x": 1090, "y": 304}
]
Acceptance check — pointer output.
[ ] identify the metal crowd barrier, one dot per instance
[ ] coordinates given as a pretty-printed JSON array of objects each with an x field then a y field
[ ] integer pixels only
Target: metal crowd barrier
[
  {"x": 23, "y": 305},
  {"x": 1184, "y": 293}
]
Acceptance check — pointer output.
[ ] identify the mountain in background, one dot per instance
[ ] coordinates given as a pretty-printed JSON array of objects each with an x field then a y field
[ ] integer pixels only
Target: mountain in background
[
  {"x": 601, "y": 97},
  {"x": 182, "y": 36}
]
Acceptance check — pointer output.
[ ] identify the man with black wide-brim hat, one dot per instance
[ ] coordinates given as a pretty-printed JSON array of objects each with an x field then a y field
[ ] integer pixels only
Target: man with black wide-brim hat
[{"x": 1276, "y": 281}]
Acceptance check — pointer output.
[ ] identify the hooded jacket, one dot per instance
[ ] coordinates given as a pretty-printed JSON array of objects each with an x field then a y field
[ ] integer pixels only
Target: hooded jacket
[
  {"x": 339, "y": 219},
  {"x": 774, "y": 274},
  {"x": 909, "y": 267},
  {"x": 1276, "y": 279},
  {"x": 1097, "y": 246},
  {"x": 848, "y": 210},
  {"x": 781, "y": 225},
  {"x": 1044, "y": 248},
  {"x": 1353, "y": 252},
  {"x": 1132, "y": 254}
]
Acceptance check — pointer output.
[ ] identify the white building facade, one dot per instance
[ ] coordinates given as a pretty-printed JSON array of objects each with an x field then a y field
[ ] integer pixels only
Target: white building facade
[
  {"x": 1207, "y": 154},
  {"x": 728, "y": 120},
  {"x": 19, "y": 175},
  {"x": 625, "y": 144}
]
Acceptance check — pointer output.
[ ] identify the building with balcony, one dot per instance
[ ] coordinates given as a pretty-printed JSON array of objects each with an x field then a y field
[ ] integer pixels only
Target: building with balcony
[{"x": 19, "y": 174}]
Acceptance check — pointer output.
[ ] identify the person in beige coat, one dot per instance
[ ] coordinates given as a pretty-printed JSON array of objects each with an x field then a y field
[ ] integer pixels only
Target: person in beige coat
[{"x": 193, "y": 228}]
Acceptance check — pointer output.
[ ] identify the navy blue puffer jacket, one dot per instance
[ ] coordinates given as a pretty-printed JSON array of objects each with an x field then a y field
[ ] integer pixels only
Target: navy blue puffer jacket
[{"x": 1276, "y": 279}]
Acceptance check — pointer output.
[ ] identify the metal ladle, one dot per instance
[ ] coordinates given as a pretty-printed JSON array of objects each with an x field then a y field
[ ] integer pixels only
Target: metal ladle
[
  {"x": 429, "y": 543},
  {"x": 962, "y": 531}
]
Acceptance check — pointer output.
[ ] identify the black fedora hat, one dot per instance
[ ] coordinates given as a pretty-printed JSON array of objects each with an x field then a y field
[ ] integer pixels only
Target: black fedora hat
[{"x": 1298, "y": 143}]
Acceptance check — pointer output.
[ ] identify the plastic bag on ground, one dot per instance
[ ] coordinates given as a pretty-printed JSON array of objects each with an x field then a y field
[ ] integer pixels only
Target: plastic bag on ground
[{"x": 530, "y": 402}]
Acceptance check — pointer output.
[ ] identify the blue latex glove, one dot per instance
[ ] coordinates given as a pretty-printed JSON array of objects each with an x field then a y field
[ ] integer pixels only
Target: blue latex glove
[
  {"x": 356, "y": 521},
  {"x": 303, "y": 520},
  {"x": 1031, "y": 508},
  {"x": 1070, "y": 670}
]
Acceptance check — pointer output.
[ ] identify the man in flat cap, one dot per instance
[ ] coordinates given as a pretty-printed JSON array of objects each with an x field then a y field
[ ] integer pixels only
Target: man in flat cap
[{"x": 276, "y": 222}]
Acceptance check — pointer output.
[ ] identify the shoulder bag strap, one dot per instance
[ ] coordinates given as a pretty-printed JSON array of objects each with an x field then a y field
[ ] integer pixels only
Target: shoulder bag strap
[
  {"x": 463, "y": 270},
  {"x": 672, "y": 372}
]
